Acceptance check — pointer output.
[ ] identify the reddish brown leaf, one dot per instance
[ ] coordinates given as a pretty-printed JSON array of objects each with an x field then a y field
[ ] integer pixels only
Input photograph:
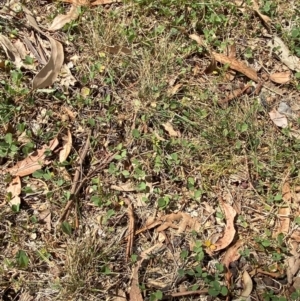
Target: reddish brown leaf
[
  {"x": 232, "y": 254},
  {"x": 229, "y": 232},
  {"x": 102, "y": 2},
  {"x": 236, "y": 65},
  {"x": 33, "y": 162},
  {"x": 281, "y": 77}
]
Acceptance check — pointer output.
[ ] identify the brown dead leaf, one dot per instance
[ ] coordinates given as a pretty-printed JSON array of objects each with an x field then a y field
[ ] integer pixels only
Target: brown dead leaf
[
  {"x": 211, "y": 67},
  {"x": 283, "y": 222},
  {"x": 292, "y": 263},
  {"x": 2, "y": 65},
  {"x": 120, "y": 296},
  {"x": 247, "y": 284},
  {"x": 198, "y": 39},
  {"x": 77, "y": 2},
  {"x": 117, "y": 49},
  {"x": 67, "y": 146},
  {"x": 231, "y": 61},
  {"x": 236, "y": 65},
  {"x": 169, "y": 128},
  {"x": 45, "y": 217},
  {"x": 282, "y": 51},
  {"x": 267, "y": 21},
  {"x": 61, "y": 20},
  {"x": 11, "y": 51},
  {"x": 279, "y": 119},
  {"x": 48, "y": 74},
  {"x": 229, "y": 231},
  {"x": 21, "y": 49},
  {"x": 69, "y": 112},
  {"x": 102, "y": 2},
  {"x": 286, "y": 193},
  {"x": 184, "y": 222},
  {"x": 296, "y": 236},
  {"x": 173, "y": 90},
  {"x": 281, "y": 77},
  {"x": 125, "y": 187},
  {"x": 14, "y": 189},
  {"x": 232, "y": 254},
  {"x": 33, "y": 162},
  {"x": 66, "y": 77}
]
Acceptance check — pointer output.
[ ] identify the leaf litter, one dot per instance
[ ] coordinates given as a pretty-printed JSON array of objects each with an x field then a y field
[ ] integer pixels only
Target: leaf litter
[
  {"x": 179, "y": 222},
  {"x": 33, "y": 162}
]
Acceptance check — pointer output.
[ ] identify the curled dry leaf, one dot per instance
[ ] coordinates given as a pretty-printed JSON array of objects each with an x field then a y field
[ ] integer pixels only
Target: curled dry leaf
[
  {"x": 281, "y": 77},
  {"x": 11, "y": 51},
  {"x": 198, "y": 39},
  {"x": 33, "y": 162},
  {"x": 61, "y": 20},
  {"x": 47, "y": 76},
  {"x": 211, "y": 67},
  {"x": 67, "y": 146},
  {"x": 279, "y": 119},
  {"x": 264, "y": 18},
  {"x": 281, "y": 50},
  {"x": 231, "y": 255},
  {"x": 169, "y": 128},
  {"x": 229, "y": 231},
  {"x": 15, "y": 189},
  {"x": 248, "y": 285}
]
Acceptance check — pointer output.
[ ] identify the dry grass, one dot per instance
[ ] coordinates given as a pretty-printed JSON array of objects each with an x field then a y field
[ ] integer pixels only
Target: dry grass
[{"x": 235, "y": 153}]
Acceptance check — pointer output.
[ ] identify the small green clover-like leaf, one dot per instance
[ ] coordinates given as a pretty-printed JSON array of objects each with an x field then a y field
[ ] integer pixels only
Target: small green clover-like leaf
[
  {"x": 22, "y": 259},
  {"x": 212, "y": 292},
  {"x": 297, "y": 220},
  {"x": 66, "y": 227},
  {"x": 224, "y": 291}
]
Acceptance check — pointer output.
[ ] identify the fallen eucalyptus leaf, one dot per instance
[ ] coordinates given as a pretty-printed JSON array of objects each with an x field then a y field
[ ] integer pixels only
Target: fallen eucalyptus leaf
[
  {"x": 48, "y": 74},
  {"x": 11, "y": 51},
  {"x": 61, "y": 20},
  {"x": 281, "y": 50},
  {"x": 281, "y": 77},
  {"x": 279, "y": 119}
]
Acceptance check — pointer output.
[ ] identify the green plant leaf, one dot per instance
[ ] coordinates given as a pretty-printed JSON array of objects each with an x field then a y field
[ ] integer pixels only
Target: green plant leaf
[
  {"x": 66, "y": 227},
  {"x": 22, "y": 259}
]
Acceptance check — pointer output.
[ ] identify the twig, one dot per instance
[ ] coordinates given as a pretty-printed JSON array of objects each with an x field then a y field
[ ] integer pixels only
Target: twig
[
  {"x": 74, "y": 189},
  {"x": 187, "y": 293},
  {"x": 130, "y": 230},
  {"x": 234, "y": 94}
]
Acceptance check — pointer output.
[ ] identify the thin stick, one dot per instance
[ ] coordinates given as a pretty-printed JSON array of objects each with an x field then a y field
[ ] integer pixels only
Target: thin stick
[
  {"x": 74, "y": 190},
  {"x": 187, "y": 293},
  {"x": 130, "y": 230}
]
